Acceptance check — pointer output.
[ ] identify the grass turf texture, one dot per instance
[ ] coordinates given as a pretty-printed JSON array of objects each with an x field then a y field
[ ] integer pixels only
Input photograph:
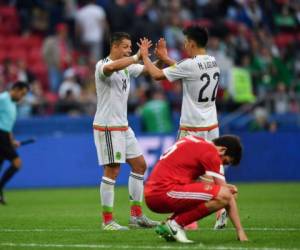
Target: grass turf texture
[{"x": 69, "y": 219}]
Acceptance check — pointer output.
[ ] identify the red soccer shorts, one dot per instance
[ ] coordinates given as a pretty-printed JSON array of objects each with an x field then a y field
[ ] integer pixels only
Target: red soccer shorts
[{"x": 181, "y": 198}]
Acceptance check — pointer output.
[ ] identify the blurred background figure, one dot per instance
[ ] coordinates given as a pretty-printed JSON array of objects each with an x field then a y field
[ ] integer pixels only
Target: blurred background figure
[
  {"x": 57, "y": 53},
  {"x": 91, "y": 27},
  {"x": 261, "y": 121},
  {"x": 69, "y": 84},
  {"x": 156, "y": 113}
]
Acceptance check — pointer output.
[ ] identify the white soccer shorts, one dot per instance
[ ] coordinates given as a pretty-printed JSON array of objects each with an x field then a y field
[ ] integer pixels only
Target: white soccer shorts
[
  {"x": 208, "y": 135},
  {"x": 116, "y": 146}
]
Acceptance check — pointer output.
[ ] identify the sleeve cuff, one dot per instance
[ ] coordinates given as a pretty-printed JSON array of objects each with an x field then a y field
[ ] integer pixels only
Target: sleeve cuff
[{"x": 214, "y": 174}]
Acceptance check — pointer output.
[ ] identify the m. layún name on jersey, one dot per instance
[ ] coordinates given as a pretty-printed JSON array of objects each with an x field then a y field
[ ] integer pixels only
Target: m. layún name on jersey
[{"x": 200, "y": 77}]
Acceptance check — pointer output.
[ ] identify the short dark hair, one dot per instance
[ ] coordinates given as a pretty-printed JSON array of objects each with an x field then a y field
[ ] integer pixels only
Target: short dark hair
[
  {"x": 117, "y": 37},
  {"x": 233, "y": 145},
  {"x": 20, "y": 85},
  {"x": 198, "y": 34}
]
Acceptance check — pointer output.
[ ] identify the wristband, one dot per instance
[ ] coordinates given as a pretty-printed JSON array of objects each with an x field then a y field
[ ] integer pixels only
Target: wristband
[{"x": 135, "y": 58}]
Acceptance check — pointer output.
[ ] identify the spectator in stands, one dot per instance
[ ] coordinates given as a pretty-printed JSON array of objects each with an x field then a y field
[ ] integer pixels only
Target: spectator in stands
[
  {"x": 261, "y": 121},
  {"x": 69, "y": 83},
  {"x": 156, "y": 113},
  {"x": 8, "y": 145},
  {"x": 251, "y": 14},
  {"x": 120, "y": 16},
  {"x": 39, "y": 19},
  {"x": 173, "y": 31},
  {"x": 36, "y": 99},
  {"x": 285, "y": 20},
  {"x": 297, "y": 12},
  {"x": 91, "y": 27},
  {"x": 215, "y": 49},
  {"x": 69, "y": 104},
  {"x": 174, "y": 96},
  {"x": 25, "y": 9},
  {"x": 281, "y": 99},
  {"x": 241, "y": 40},
  {"x": 8, "y": 73},
  {"x": 261, "y": 66},
  {"x": 23, "y": 72},
  {"x": 57, "y": 53},
  {"x": 148, "y": 22}
]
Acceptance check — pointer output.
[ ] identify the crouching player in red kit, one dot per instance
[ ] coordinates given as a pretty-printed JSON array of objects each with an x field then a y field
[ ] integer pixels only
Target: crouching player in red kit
[{"x": 173, "y": 187}]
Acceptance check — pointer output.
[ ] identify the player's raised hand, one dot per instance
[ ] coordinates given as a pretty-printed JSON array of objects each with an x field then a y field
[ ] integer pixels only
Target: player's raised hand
[
  {"x": 144, "y": 46},
  {"x": 161, "y": 49}
]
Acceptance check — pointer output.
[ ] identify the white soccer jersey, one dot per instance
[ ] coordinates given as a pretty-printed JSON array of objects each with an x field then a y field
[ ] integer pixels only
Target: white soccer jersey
[
  {"x": 112, "y": 94},
  {"x": 200, "y": 77}
]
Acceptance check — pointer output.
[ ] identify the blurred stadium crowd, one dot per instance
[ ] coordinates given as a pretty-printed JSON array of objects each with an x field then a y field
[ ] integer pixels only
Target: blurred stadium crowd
[{"x": 54, "y": 44}]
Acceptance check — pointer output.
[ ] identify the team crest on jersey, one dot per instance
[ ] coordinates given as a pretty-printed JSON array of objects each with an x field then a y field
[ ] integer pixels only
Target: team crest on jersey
[
  {"x": 118, "y": 155},
  {"x": 207, "y": 187},
  {"x": 126, "y": 72}
]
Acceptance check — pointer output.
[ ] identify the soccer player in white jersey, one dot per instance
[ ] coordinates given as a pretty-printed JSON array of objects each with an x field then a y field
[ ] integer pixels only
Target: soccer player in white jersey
[
  {"x": 114, "y": 139},
  {"x": 199, "y": 75}
]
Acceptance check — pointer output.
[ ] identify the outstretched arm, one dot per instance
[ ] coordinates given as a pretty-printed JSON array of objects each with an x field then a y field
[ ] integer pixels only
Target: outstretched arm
[
  {"x": 235, "y": 219},
  {"x": 119, "y": 64},
  {"x": 232, "y": 210}
]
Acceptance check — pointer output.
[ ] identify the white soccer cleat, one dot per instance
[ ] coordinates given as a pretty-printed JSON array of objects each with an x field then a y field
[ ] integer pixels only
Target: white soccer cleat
[
  {"x": 142, "y": 221},
  {"x": 221, "y": 221},
  {"x": 171, "y": 231},
  {"x": 113, "y": 226}
]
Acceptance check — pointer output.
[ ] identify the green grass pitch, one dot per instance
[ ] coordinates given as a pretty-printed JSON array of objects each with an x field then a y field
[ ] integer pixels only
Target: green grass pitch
[{"x": 70, "y": 219}]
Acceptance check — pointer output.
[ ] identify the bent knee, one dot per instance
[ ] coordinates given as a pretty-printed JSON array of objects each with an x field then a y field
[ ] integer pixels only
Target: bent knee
[
  {"x": 140, "y": 168},
  {"x": 224, "y": 195},
  {"x": 138, "y": 165},
  {"x": 112, "y": 171}
]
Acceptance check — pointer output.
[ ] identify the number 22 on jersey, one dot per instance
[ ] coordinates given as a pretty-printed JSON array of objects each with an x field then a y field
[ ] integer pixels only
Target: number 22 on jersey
[{"x": 209, "y": 89}]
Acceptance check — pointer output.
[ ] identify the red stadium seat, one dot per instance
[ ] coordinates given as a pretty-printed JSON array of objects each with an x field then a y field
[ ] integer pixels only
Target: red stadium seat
[
  {"x": 2, "y": 44},
  {"x": 33, "y": 42},
  {"x": 202, "y": 22},
  {"x": 284, "y": 39},
  {"x": 15, "y": 42},
  {"x": 17, "y": 54},
  {"x": 35, "y": 56},
  {"x": 4, "y": 29},
  {"x": 3, "y": 55},
  {"x": 7, "y": 12},
  {"x": 233, "y": 26},
  {"x": 9, "y": 20}
]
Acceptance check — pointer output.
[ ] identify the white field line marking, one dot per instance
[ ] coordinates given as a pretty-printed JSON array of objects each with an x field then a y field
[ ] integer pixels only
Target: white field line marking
[
  {"x": 96, "y": 230},
  {"x": 107, "y": 246}
]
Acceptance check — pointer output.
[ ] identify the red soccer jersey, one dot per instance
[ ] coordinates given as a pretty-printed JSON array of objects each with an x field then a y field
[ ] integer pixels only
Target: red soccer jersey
[{"x": 183, "y": 163}]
